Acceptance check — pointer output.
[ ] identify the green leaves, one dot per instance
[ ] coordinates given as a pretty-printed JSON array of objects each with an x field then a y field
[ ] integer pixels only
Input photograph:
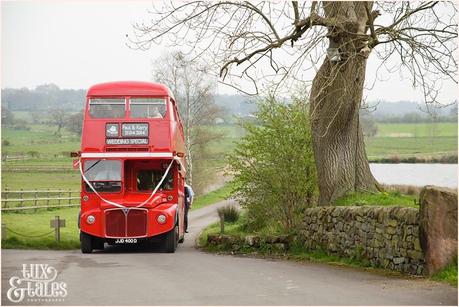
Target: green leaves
[{"x": 273, "y": 165}]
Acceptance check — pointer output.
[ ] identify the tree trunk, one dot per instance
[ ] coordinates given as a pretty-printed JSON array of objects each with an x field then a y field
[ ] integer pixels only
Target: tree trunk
[
  {"x": 335, "y": 100},
  {"x": 189, "y": 154}
]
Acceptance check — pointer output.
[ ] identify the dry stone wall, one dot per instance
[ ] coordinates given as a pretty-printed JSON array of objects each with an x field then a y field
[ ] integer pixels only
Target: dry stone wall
[{"x": 387, "y": 237}]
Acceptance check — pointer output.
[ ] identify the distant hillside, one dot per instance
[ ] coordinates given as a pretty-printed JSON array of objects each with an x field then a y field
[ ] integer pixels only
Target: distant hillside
[
  {"x": 42, "y": 98},
  {"x": 49, "y": 96},
  {"x": 402, "y": 108}
]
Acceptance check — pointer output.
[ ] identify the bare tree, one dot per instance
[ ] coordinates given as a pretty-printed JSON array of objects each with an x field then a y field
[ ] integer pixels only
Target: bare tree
[
  {"x": 58, "y": 118},
  {"x": 194, "y": 90},
  {"x": 74, "y": 122},
  {"x": 245, "y": 39}
]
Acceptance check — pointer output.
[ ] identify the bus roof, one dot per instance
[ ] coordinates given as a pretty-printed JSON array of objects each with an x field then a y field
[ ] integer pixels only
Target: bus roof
[{"x": 129, "y": 88}]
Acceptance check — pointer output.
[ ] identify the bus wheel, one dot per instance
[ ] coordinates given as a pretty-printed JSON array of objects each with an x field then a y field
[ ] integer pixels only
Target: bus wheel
[
  {"x": 86, "y": 243},
  {"x": 170, "y": 241}
]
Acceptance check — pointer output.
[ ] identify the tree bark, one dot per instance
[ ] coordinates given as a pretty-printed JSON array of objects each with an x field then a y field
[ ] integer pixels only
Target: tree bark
[{"x": 335, "y": 100}]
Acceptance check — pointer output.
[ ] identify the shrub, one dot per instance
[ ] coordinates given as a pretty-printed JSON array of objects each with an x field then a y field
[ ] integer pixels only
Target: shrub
[
  {"x": 273, "y": 166},
  {"x": 230, "y": 213},
  {"x": 33, "y": 154},
  {"x": 5, "y": 142}
]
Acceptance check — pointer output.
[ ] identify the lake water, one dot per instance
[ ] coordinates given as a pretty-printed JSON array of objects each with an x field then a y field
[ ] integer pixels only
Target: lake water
[{"x": 444, "y": 175}]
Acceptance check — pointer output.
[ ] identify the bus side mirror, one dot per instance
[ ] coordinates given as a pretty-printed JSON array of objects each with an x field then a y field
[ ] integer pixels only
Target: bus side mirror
[{"x": 74, "y": 154}]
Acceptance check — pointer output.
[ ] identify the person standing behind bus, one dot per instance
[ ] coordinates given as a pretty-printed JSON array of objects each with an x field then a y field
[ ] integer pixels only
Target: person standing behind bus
[{"x": 189, "y": 195}]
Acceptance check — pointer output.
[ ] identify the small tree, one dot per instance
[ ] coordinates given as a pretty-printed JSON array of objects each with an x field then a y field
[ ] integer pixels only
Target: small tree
[
  {"x": 75, "y": 122},
  {"x": 58, "y": 118},
  {"x": 7, "y": 117},
  {"x": 273, "y": 165},
  {"x": 368, "y": 123}
]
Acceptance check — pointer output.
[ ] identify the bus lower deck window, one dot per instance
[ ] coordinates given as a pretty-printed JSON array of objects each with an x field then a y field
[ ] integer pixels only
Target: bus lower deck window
[{"x": 147, "y": 180}]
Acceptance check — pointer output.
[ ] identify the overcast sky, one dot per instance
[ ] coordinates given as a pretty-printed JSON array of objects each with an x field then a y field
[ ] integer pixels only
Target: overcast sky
[{"x": 77, "y": 44}]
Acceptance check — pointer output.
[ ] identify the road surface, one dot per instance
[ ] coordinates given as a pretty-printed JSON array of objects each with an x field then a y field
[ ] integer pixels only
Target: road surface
[{"x": 124, "y": 276}]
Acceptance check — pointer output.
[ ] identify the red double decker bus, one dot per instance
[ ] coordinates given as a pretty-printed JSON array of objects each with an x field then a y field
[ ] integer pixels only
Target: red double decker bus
[{"x": 133, "y": 167}]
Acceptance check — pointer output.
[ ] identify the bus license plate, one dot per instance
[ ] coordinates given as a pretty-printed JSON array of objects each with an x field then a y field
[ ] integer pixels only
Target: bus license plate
[{"x": 125, "y": 241}]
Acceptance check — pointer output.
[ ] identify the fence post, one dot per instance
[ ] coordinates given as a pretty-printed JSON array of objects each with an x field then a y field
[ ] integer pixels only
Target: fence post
[
  {"x": 58, "y": 230},
  {"x": 4, "y": 231},
  {"x": 70, "y": 196},
  {"x": 35, "y": 202},
  {"x": 47, "y": 201},
  {"x": 222, "y": 222},
  {"x": 59, "y": 197}
]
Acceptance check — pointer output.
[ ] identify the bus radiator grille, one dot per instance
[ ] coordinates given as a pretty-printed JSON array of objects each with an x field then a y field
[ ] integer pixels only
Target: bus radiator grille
[{"x": 132, "y": 224}]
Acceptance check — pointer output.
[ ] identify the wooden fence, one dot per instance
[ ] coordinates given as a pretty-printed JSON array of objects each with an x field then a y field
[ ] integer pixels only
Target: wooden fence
[{"x": 38, "y": 199}]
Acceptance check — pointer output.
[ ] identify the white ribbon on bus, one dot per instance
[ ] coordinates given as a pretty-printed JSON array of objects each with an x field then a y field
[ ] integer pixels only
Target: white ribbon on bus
[{"x": 119, "y": 205}]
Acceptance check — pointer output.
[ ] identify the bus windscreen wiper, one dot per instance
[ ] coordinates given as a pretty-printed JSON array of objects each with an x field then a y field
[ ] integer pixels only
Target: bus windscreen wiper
[{"x": 86, "y": 171}]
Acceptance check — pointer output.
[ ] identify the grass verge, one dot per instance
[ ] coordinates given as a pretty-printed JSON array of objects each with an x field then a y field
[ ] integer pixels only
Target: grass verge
[
  {"x": 448, "y": 274},
  {"x": 212, "y": 197},
  {"x": 30, "y": 228},
  {"x": 391, "y": 198}
]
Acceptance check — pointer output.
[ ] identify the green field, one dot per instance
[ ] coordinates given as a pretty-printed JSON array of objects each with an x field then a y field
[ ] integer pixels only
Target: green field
[
  {"x": 40, "y": 181},
  {"x": 41, "y": 139},
  {"x": 410, "y": 146},
  {"x": 417, "y": 130},
  {"x": 52, "y": 149},
  {"x": 391, "y": 140}
]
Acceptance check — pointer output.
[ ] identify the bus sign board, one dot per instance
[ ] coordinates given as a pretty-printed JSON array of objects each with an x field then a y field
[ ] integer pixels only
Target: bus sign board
[
  {"x": 127, "y": 141},
  {"x": 134, "y": 130}
]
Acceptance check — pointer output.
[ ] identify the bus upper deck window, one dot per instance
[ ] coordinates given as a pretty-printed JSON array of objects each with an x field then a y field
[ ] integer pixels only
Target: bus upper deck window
[
  {"x": 148, "y": 107},
  {"x": 107, "y": 107}
]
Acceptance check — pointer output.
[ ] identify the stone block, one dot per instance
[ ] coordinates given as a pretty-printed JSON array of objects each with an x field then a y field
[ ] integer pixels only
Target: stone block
[{"x": 438, "y": 227}]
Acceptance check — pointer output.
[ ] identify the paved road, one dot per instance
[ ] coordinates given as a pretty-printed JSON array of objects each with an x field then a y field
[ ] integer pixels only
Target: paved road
[{"x": 123, "y": 276}]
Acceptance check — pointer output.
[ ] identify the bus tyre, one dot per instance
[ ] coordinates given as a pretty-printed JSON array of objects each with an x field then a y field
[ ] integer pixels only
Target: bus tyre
[
  {"x": 86, "y": 243},
  {"x": 98, "y": 244},
  {"x": 170, "y": 241}
]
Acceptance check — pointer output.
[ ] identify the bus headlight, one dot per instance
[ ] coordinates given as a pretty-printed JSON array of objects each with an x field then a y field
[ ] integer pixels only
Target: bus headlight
[
  {"x": 90, "y": 219},
  {"x": 161, "y": 219}
]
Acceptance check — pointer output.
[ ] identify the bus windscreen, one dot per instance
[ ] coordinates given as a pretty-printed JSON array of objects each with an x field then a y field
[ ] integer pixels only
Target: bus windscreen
[{"x": 104, "y": 175}]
